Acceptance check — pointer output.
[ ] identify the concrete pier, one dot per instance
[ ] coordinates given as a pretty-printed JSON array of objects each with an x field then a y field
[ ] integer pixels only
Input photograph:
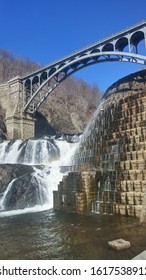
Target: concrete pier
[{"x": 18, "y": 124}]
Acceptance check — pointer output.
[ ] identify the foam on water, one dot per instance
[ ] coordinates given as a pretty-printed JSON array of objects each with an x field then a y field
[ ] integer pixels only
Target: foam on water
[{"x": 47, "y": 178}]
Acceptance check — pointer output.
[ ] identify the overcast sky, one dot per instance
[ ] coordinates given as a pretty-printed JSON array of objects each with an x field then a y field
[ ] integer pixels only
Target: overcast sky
[{"x": 47, "y": 30}]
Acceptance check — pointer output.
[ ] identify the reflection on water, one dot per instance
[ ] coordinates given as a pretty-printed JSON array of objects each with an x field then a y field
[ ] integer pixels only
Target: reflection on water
[{"x": 51, "y": 235}]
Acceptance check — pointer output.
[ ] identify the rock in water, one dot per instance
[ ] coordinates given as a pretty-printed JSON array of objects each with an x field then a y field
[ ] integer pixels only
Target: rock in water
[{"x": 119, "y": 244}]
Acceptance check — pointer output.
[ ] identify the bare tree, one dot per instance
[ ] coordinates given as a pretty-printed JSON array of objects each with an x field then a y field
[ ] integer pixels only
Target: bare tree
[{"x": 69, "y": 107}]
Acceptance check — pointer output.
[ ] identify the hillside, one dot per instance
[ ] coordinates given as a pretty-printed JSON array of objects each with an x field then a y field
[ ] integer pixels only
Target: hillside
[{"x": 68, "y": 109}]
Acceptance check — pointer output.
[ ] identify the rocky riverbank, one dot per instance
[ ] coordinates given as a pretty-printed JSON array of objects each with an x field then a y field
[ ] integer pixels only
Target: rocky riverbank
[{"x": 18, "y": 188}]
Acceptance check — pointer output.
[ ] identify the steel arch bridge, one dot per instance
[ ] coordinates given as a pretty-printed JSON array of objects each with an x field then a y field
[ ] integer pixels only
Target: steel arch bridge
[{"x": 38, "y": 85}]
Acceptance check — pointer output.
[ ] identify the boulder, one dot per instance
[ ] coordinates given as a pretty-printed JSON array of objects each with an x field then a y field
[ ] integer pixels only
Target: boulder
[
  {"x": 24, "y": 190},
  {"x": 119, "y": 244}
]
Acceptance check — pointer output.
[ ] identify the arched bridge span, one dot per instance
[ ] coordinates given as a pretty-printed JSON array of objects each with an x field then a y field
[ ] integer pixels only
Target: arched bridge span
[{"x": 122, "y": 46}]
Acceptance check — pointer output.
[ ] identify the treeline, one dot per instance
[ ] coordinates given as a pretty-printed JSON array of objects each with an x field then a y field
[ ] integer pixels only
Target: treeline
[
  {"x": 69, "y": 107},
  {"x": 11, "y": 66}
]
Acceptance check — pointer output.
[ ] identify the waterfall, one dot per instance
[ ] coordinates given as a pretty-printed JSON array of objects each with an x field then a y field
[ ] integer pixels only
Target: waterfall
[
  {"x": 32, "y": 152},
  {"x": 9, "y": 151},
  {"x": 39, "y": 152},
  {"x": 4, "y": 195},
  {"x": 46, "y": 157}
]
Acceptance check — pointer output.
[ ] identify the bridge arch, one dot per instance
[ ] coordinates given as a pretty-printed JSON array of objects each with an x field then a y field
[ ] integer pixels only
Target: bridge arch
[
  {"x": 108, "y": 47},
  {"x": 57, "y": 75},
  {"x": 43, "y": 77},
  {"x": 121, "y": 44},
  {"x": 122, "y": 47},
  {"x": 137, "y": 37}
]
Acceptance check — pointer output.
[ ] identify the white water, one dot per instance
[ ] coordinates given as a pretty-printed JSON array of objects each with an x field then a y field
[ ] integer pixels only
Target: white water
[
  {"x": 37, "y": 152},
  {"x": 12, "y": 155},
  {"x": 3, "y": 197},
  {"x": 47, "y": 178},
  {"x": 28, "y": 152}
]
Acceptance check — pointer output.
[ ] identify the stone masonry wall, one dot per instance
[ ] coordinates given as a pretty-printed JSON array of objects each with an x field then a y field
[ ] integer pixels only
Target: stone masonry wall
[
  {"x": 114, "y": 147},
  {"x": 18, "y": 124},
  {"x": 76, "y": 192}
]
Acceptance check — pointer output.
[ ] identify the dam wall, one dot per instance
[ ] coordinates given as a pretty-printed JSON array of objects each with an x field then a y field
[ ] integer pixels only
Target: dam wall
[{"x": 109, "y": 165}]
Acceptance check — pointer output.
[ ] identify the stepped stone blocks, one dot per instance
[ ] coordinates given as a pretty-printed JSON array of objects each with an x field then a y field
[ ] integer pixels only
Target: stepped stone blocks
[
  {"x": 143, "y": 207},
  {"x": 114, "y": 146},
  {"x": 76, "y": 192}
]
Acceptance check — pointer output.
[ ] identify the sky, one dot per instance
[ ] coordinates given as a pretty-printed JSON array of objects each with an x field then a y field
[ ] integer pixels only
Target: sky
[{"x": 47, "y": 30}]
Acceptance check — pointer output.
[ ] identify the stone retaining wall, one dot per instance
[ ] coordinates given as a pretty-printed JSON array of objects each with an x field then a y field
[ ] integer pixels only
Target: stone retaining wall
[{"x": 114, "y": 147}]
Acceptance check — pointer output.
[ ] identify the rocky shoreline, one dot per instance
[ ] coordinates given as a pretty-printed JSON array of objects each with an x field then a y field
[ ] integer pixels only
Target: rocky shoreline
[{"x": 23, "y": 190}]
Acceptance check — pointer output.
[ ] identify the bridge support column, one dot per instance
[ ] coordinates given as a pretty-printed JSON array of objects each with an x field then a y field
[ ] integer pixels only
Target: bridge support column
[
  {"x": 20, "y": 127},
  {"x": 18, "y": 124}
]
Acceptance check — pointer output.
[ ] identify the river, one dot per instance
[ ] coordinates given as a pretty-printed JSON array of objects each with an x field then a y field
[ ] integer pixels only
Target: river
[
  {"x": 50, "y": 235},
  {"x": 40, "y": 233}
]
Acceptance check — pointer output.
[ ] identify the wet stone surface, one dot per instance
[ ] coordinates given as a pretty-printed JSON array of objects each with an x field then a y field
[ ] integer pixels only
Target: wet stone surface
[{"x": 112, "y": 151}]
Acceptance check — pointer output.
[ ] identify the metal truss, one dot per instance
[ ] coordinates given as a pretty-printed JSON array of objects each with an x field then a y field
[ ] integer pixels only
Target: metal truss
[{"x": 38, "y": 85}]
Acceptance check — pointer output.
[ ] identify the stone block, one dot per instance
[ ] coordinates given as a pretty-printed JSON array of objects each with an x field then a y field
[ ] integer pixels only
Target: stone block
[
  {"x": 126, "y": 174},
  {"x": 122, "y": 209},
  {"x": 141, "y": 164},
  {"x": 139, "y": 174},
  {"x": 144, "y": 152},
  {"x": 138, "y": 209},
  {"x": 132, "y": 175},
  {"x": 128, "y": 156},
  {"x": 144, "y": 175},
  {"x": 137, "y": 138},
  {"x": 123, "y": 156},
  {"x": 119, "y": 244},
  {"x": 143, "y": 185},
  {"x": 130, "y": 186},
  {"x": 123, "y": 187},
  {"x": 139, "y": 130},
  {"x": 130, "y": 148},
  {"x": 130, "y": 198},
  {"x": 122, "y": 165},
  {"x": 128, "y": 165},
  {"x": 56, "y": 201},
  {"x": 123, "y": 197},
  {"x": 115, "y": 208},
  {"x": 143, "y": 114},
  {"x": 140, "y": 153},
  {"x": 134, "y": 154},
  {"x": 80, "y": 202},
  {"x": 137, "y": 186},
  {"x": 131, "y": 210},
  {"x": 134, "y": 164},
  {"x": 143, "y": 215}
]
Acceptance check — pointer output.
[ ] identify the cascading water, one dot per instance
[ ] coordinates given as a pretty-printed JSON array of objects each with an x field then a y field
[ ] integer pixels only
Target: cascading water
[
  {"x": 31, "y": 152},
  {"x": 46, "y": 157},
  {"x": 4, "y": 195},
  {"x": 9, "y": 151}
]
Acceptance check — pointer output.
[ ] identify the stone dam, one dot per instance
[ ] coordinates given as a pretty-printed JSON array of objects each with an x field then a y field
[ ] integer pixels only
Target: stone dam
[{"x": 108, "y": 172}]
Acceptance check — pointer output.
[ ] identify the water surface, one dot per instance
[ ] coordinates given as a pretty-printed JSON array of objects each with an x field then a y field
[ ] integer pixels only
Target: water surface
[{"x": 54, "y": 235}]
